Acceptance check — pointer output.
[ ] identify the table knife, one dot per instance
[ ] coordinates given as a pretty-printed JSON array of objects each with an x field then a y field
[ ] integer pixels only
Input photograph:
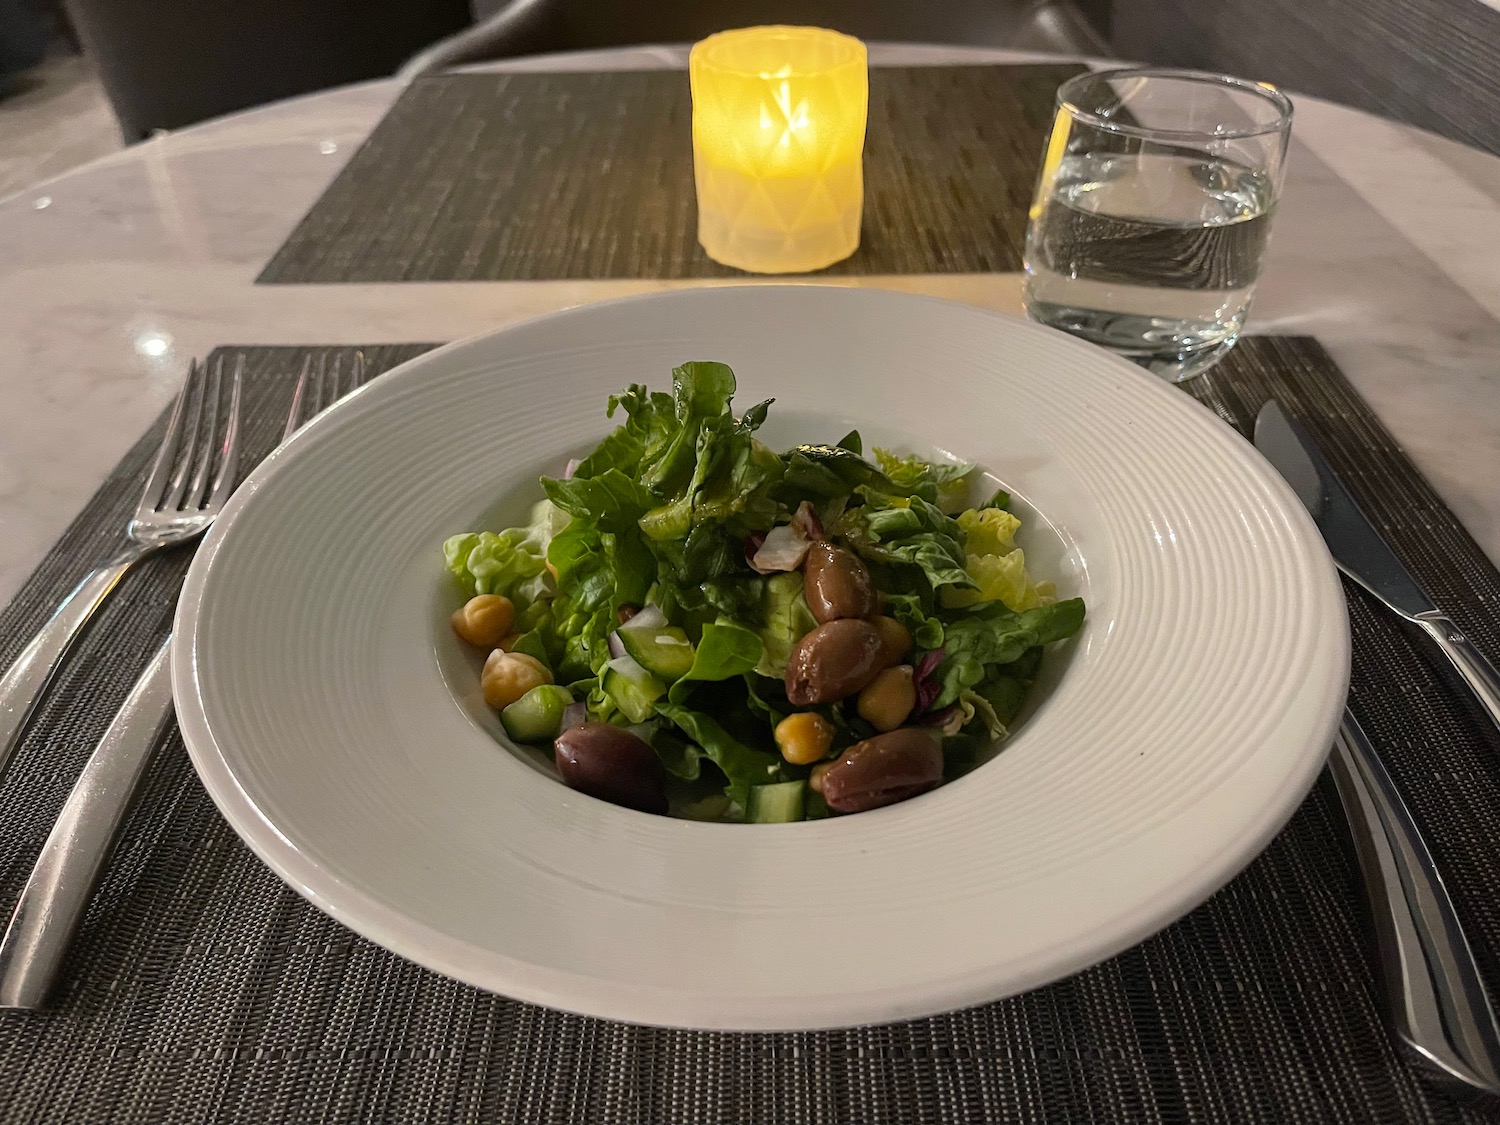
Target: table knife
[
  {"x": 53, "y": 901},
  {"x": 1435, "y": 999},
  {"x": 1362, "y": 554}
]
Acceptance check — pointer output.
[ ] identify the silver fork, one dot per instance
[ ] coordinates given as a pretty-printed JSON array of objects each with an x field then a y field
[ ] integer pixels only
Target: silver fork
[
  {"x": 179, "y": 502},
  {"x": 61, "y": 884}
]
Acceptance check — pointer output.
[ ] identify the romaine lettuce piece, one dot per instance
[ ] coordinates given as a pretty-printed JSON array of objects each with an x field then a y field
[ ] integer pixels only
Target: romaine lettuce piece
[
  {"x": 725, "y": 650},
  {"x": 992, "y": 634},
  {"x": 740, "y": 763},
  {"x": 996, "y": 564},
  {"x": 787, "y": 620},
  {"x": 943, "y": 484},
  {"x": 488, "y": 563}
]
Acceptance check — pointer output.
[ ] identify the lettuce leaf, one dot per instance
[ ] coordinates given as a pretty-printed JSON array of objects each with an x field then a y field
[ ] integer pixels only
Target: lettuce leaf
[
  {"x": 724, "y": 651},
  {"x": 740, "y": 763},
  {"x": 680, "y": 757},
  {"x": 996, "y": 564},
  {"x": 944, "y": 484},
  {"x": 611, "y": 501},
  {"x": 787, "y": 620},
  {"x": 489, "y": 563},
  {"x": 910, "y": 532},
  {"x": 824, "y": 472},
  {"x": 991, "y": 635},
  {"x": 926, "y": 630}
]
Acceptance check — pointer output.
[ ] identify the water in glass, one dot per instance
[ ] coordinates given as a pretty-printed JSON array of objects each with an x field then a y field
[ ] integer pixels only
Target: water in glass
[{"x": 1149, "y": 249}]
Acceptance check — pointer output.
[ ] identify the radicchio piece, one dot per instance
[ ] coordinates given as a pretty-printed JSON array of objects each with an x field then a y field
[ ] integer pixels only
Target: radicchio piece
[
  {"x": 927, "y": 687},
  {"x": 941, "y": 718},
  {"x": 753, "y": 543},
  {"x": 784, "y": 549},
  {"x": 806, "y": 521}
]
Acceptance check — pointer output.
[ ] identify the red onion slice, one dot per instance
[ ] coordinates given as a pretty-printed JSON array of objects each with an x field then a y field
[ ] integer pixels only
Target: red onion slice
[
  {"x": 574, "y": 714},
  {"x": 648, "y": 617},
  {"x": 806, "y": 521},
  {"x": 784, "y": 549}
]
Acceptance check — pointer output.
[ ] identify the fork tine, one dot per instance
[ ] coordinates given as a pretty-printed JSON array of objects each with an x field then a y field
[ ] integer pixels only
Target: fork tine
[
  {"x": 165, "y": 455},
  {"x": 294, "y": 419},
  {"x": 332, "y": 390},
  {"x": 322, "y": 400},
  {"x": 229, "y": 456},
  {"x": 198, "y": 487},
  {"x": 321, "y": 385},
  {"x": 357, "y": 374},
  {"x": 178, "y": 484}
]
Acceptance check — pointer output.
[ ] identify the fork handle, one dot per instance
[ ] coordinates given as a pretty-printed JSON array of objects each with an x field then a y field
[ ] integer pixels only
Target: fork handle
[
  {"x": 55, "y": 897},
  {"x": 1477, "y": 672},
  {"x": 23, "y": 683},
  {"x": 1435, "y": 998}
]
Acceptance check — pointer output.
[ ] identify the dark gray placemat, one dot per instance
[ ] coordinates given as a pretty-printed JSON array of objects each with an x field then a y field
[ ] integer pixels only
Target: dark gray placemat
[
  {"x": 203, "y": 989},
  {"x": 497, "y": 177}
]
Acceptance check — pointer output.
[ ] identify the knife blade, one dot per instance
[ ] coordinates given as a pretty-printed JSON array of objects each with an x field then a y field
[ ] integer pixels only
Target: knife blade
[
  {"x": 1352, "y": 539},
  {"x": 1363, "y": 554}
]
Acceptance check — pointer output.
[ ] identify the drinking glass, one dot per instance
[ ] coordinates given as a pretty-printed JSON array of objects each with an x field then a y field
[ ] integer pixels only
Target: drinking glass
[{"x": 1152, "y": 212}]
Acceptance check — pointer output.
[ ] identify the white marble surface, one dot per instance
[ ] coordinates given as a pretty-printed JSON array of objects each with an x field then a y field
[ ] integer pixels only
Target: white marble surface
[
  {"x": 59, "y": 120},
  {"x": 113, "y": 276}
]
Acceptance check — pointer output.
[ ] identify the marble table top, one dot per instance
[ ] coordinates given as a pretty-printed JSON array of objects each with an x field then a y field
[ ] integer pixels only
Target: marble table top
[{"x": 112, "y": 277}]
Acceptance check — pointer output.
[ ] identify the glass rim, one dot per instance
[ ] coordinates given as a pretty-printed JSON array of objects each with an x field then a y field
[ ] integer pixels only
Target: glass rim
[
  {"x": 1262, "y": 90},
  {"x": 707, "y": 51}
]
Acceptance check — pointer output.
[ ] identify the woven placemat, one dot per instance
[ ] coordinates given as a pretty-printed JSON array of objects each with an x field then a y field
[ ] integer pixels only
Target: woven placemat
[
  {"x": 203, "y": 989},
  {"x": 497, "y": 177}
]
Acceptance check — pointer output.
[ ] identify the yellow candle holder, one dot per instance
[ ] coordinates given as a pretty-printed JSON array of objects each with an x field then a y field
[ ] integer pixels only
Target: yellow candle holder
[{"x": 778, "y": 141}]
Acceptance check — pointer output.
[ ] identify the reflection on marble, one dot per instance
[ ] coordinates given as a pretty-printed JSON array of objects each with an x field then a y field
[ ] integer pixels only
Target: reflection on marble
[
  {"x": 145, "y": 259},
  {"x": 59, "y": 120}
]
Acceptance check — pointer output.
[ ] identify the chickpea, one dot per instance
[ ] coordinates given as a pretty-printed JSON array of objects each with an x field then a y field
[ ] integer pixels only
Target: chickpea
[
  {"x": 889, "y": 698},
  {"x": 484, "y": 620},
  {"x": 895, "y": 641},
  {"x": 819, "y": 772},
  {"x": 804, "y": 738},
  {"x": 509, "y": 675}
]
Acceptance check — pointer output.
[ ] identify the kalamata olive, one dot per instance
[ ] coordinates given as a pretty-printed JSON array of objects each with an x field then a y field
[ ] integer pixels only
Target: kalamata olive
[
  {"x": 883, "y": 770},
  {"x": 836, "y": 583},
  {"x": 833, "y": 662},
  {"x": 612, "y": 764}
]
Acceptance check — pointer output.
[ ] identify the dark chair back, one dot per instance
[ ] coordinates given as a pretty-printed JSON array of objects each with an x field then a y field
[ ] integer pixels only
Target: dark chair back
[
  {"x": 169, "y": 63},
  {"x": 601, "y": 23},
  {"x": 511, "y": 27},
  {"x": 1430, "y": 63}
]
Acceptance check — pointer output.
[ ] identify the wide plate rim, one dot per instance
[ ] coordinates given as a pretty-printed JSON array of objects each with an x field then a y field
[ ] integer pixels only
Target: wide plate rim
[{"x": 491, "y": 969}]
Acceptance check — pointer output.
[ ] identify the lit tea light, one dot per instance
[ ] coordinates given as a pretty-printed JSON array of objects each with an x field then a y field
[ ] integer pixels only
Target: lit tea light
[{"x": 778, "y": 141}]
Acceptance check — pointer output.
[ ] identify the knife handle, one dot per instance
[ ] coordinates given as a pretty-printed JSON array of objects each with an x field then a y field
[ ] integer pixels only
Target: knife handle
[
  {"x": 1470, "y": 663},
  {"x": 1435, "y": 998},
  {"x": 53, "y": 902}
]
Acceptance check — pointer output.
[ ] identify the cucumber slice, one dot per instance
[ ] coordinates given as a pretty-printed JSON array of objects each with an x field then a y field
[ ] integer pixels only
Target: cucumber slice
[
  {"x": 776, "y": 804},
  {"x": 537, "y": 715},
  {"x": 633, "y": 689},
  {"x": 666, "y": 652}
]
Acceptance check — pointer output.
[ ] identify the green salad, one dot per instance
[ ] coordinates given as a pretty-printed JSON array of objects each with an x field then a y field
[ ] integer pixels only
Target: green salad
[{"x": 695, "y": 624}]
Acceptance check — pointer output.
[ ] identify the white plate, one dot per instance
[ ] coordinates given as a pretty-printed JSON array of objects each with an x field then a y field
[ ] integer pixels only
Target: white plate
[{"x": 1188, "y": 722}]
